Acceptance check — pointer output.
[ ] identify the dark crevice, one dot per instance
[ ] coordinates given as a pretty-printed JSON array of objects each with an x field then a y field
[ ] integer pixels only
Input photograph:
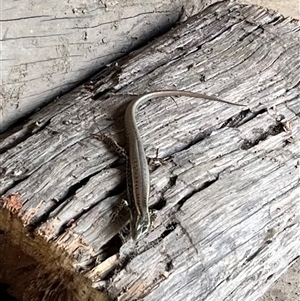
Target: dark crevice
[
  {"x": 274, "y": 21},
  {"x": 215, "y": 237},
  {"x": 289, "y": 226},
  {"x": 294, "y": 260},
  {"x": 252, "y": 34},
  {"x": 118, "y": 190},
  {"x": 21, "y": 134},
  {"x": 68, "y": 195},
  {"x": 273, "y": 130},
  {"x": 214, "y": 37},
  {"x": 34, "y": 37},
  {"x": 294, "y": 86},
  {"x": 113, "y": 246},
  {"x": 243, "y": 117},
  {"x": 234, "y": 122},
  {"x": 199, "y": 137},
  {"x": 161, "y": 203},
  {"x": 17, "y": 179},
  {"x": 169, "y": 229},
  {"x": 24, "y": 18},
  {"x": 71, "y": 191},
  {"x": 252, "y": 256},
  {"x": 190, "y": 194},
  {"x": 91, "y": 86},
  {"x": 42, "y": 217},
  {"x": 169, "y": 266},
  {"x": 13, "y": 184}
]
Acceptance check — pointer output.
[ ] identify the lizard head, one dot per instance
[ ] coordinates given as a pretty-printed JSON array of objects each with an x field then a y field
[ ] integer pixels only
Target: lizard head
[{"x": 140, "y": 227}]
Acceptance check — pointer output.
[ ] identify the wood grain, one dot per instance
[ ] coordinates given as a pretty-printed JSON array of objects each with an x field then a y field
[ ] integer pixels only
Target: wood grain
[
  {"x": 226, "y": 195},
  {"x": 50, "y": 48}
]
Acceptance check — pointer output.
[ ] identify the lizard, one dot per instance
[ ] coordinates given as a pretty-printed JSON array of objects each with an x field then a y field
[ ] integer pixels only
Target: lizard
[{"x": 137, "y": 172}]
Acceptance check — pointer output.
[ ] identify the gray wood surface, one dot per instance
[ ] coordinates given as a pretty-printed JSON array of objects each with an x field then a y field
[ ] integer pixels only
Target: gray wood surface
[
  {"x": 48, "y": 48},
  {"x": 226, "y": 195}
]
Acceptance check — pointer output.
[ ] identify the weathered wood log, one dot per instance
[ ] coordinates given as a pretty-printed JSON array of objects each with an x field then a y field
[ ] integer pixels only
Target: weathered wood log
[{"x": 226, "y": 196}]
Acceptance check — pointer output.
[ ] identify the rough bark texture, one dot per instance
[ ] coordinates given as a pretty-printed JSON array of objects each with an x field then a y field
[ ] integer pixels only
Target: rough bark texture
[
  {"x": 50, "y": 47},
  {"x": 226, "y": 196}
]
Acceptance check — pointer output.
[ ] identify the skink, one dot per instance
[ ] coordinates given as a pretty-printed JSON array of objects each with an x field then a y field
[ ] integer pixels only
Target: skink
[{"x": 138, "y": 173}]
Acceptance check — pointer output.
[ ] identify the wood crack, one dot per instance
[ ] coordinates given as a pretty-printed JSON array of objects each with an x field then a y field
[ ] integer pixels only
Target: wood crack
[
  {"x": 122, "y": 19},
  {"x": 272, "y": 130},
  {"x": 24, "y": 18}
]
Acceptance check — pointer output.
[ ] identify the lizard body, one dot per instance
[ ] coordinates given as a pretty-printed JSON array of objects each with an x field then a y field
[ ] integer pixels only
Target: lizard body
[{"x": 139, "y": 181}]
